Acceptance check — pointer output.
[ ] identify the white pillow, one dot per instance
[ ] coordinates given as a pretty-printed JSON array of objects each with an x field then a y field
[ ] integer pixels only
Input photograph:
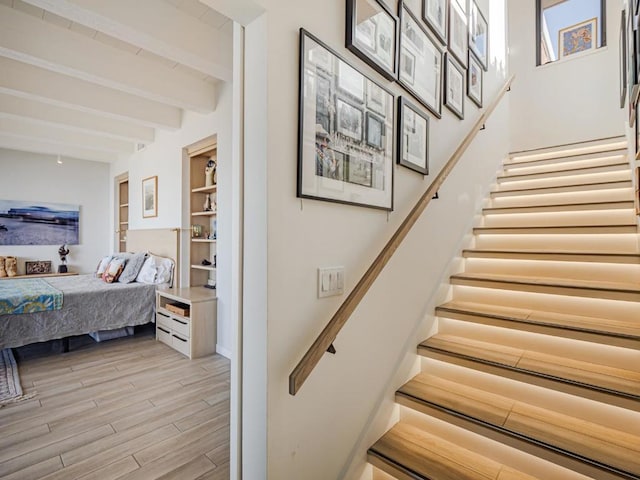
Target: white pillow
[
  {"x": 147, "y": 273},
  {"x": 102, "y": 266},
  {"x": 156, "y": 270}
]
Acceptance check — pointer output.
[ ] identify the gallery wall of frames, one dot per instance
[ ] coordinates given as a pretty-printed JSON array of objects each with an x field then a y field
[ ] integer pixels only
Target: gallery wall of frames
[
  {"x": 351, "y": 127},
  {"x": 629, "y": 43}
]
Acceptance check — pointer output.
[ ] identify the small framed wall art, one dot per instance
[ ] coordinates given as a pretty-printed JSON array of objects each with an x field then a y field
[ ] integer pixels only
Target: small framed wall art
[
  {"x": 435, "y": 14},
  {"x": 478, "y": 34},
  {"x": 454, "y": 86},
  {"x": 474, "y": 80},
  {"x": 37, "y": 267},
  {"x": 345, "y": 131},
  {"x": 413, "y": 137},
  {"x": 578, "y": 38},
  {"x": 420, "y": 62},
  {"x": 150, "y": 197},
  {"x": 458, "y": 35},
  {"x": 372, "y": 34}
]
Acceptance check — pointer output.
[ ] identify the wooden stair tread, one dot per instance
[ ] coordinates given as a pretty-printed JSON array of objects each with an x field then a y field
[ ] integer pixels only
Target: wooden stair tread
[
  {"x": 551, "y": 282},
  {"x": 604, "y": 326},
  {"x": 566, "y": 188},
  {"x": 552, "y": 286},
  {"x": 564, "y": 229},
  {"x": 560, "y": 207},
  {"x": 564, "y": 256},
  {"x": 561, "y": 158},
  {"x": 576, "y": 436},
  {"x": 427, "y": 456},
  {"x": 587, "y": 374},
  {"x": 568, "y": 169}
]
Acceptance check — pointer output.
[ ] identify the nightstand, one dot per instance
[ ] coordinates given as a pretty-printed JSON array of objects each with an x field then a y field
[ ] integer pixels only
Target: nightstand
[{"x": 186, "y": 320}]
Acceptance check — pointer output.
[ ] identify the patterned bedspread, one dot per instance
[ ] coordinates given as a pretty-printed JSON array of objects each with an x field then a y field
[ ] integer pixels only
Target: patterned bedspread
[{"x": 28, "y": 295}]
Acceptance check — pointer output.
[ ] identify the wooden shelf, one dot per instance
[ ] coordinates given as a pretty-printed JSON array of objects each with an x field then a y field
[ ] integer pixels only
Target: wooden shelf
[
  {"x": 204, "y": 267},
  {"x": 204, "y": 214},
  {"x": 41, "y": 275},
  {"x": 209, "y": 189},
  {"x": 203, "y": 240}
]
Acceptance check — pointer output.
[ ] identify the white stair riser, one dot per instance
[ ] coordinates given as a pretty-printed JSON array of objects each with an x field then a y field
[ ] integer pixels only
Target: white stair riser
[
  {"x": 602, "y": 217},
  {"x": 596, "y": 195},
  {"x": 627, "y": 243}
]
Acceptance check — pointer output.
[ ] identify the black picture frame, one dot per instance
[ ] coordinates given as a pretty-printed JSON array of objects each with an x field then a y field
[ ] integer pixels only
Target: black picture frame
[
  {"x": 623, "y": 58},
  {"x": 420, "y": 62},
  {"x": 413, "y": 137},
  {"x": 632, "y": 79},
  {"x": 375, "y": 39},
  {"x": 37, "y": 267},
  {"x": 454, "y": 86},
  {"x": 339, "y": 164},
  {"x": 458, "y": 41},
  {"x": 475, "y": 80},
  {"x": 478, "y": 34},
  {"x": 431, "y": 9}
]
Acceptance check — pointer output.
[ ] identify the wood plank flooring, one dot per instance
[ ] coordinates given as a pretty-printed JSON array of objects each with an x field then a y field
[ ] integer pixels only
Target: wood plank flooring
[{"x": 130, "y": 408}]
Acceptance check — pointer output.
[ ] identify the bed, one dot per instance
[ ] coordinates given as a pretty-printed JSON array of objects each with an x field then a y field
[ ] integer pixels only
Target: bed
[{"x": 90, "y": 304}]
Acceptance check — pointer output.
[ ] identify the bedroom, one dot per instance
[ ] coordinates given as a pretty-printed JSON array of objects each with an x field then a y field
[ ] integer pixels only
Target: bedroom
[{"x": 85, "y": 99}]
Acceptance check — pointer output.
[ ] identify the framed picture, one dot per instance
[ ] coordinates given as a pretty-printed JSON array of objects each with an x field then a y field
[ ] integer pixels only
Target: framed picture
[
  {"x": 577, "y": 38},
  {"x": 150, "y": 197},
  {"x": 376, "y": 99},
  {"x": 349, "y": 121},
  {"x": 349, "y": 157},
  {"x": 623, "y": 58},
  {"x": 637, "y": 190},
  {"x": 458, "y": 36},
  {"x": 435, "y": 14},
  {"x": 420, "y": 62},
  {"x": 413, "y": 137},
  {"x": 372, "y": 34},
  {"x": 454, "y": 86},
  {"x": 478, "y": 34},
  {"x": 31, "y": 222},
  {"x": 414, "y": 6},
  {"x": 37, "y": 267},
  {"x": 474, "y": 80},
  {"x": 632, "y": 79},
  {"x": 374, "y": 131},
  {"x": 637, "y": 134}
]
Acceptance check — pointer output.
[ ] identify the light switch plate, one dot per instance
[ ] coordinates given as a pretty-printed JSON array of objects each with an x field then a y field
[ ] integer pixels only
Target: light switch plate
[{"x": 330, "y": 281}]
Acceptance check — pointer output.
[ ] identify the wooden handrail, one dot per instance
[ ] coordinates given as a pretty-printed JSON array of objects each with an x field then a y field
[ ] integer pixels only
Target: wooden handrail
[{"x": 340, "y": 318}]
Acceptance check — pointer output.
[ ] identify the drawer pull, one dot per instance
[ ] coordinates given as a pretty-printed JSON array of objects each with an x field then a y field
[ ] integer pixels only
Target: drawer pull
[
  {"x": 163, "y": 330},
  {"x": 181, "y": 339},
  {"x": 163, "y": 314},
  {"x": 179, "y": 321}
]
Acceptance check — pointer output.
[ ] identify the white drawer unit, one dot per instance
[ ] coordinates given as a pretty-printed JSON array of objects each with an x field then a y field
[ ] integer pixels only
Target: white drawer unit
[{"x": 192, "y": 332}]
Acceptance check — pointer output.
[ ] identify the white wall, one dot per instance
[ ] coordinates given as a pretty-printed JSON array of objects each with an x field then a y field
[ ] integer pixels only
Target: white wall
[
  {"x": 39, "y": 178},
  {"x": 567, "y": 101},
  {"x": 312, "y": 435},
  {"x": 164, "y": 158}
]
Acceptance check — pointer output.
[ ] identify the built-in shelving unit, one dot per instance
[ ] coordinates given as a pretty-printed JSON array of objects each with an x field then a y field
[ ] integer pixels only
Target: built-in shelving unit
[
  {"x": 122, "y": 191},
  {"x": 203, "y": 222}
]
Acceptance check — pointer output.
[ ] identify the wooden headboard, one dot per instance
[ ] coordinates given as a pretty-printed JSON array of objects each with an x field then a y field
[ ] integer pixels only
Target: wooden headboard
[{"x": 164, "y": 242}]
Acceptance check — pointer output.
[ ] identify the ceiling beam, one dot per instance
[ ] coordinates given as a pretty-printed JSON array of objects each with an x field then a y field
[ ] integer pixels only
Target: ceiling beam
[
  {"x": 24, "y": 80},
  {"x": 30, "y": 40},
  {"x": 241, "y": 11},
  {"x": 155, "y": 26},
  {"x": 36, "y": 145},
  {"x": 74, "y": 119},
  {"x": 20, "y": 127}
]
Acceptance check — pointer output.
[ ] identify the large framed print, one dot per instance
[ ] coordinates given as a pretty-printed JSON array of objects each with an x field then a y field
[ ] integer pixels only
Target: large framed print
[
  {"x": 458, "y": 36},
  {"x": 345, "y": 131},
  {"x": 372, "y": 34},
  {"x": 420, "y": 62},
  {"x": 623, "y": 58},
  {"x": 413, "y": 137},
  {"x": 435, "y": 14},
  {"x": 454, "y": 86},
  {"x": 578, "y": 38},
  {"x": 478, "y": 34},
  {"x": 38, "y": 223},
  {"x": 632, "y": 80},
  {"x": 474, "y": 80}
]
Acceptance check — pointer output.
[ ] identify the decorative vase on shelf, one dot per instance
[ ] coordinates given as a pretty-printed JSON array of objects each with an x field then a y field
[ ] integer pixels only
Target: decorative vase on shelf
[
  {"x": 210, "y": 176},
  {"x": 207, "y": 203}
]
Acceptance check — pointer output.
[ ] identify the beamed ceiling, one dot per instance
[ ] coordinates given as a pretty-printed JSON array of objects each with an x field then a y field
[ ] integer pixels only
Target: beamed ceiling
[{"x": 95, "y": 79}]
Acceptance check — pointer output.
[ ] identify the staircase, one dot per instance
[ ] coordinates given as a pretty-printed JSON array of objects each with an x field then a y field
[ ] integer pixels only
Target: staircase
[{"x": 535, "y": 369}]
